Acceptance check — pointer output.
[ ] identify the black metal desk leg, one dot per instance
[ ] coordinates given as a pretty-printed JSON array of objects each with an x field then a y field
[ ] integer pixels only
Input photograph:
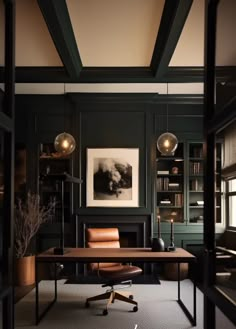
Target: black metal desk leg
[
  {"x": 178, "y": 281},
  {"x": 36, "y": 293},
  {"x": 37, "y": 315},
  {"x": 192, "y": 318}
]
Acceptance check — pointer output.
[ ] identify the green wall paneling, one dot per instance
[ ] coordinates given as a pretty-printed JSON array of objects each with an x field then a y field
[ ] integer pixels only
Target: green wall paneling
[{"x": 109, "y": 120}]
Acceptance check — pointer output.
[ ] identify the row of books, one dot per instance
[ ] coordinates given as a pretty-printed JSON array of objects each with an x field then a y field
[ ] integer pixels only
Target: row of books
[
  {"x": 196, "y": 185},
  {"x": 164, "y": 184},
  {"x": 196, "y": 168}
]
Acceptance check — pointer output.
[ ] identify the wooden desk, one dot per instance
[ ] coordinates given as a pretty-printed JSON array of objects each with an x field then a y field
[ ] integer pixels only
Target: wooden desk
[{"x": 123, "y": 255}]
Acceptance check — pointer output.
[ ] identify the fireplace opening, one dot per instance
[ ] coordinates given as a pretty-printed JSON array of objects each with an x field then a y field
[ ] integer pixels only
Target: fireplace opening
[{"x": 128, "y": 239}]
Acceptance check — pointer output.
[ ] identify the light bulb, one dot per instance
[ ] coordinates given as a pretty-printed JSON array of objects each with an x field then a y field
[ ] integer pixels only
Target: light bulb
[
  {"x": 166, "y": 143},
  {"x": 64, "y": 143}
]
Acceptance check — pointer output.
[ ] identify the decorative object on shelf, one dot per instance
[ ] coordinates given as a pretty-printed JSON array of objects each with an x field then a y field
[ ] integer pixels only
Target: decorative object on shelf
[
  {"x": 172, "y": 245},
  {"x": 167, "y": 142},
  {"x": 62, "y": 178},
  {"x": 64, "y": 143},
  {"x": 28, "y": 217},
  {"x": 175, "y": 170},
  {"x": 158, "y": 243},
  {"x": 112, "y": 177}
]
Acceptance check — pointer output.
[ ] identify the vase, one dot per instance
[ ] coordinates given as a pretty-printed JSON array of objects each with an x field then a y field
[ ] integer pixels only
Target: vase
[
  {"x": 158, "y": 244},
  {"x": 25, "y": 271}
]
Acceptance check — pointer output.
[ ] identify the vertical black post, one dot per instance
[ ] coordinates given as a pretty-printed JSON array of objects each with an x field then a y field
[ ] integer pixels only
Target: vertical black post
[
  {"x": 62, "y": 218},
  {"x": 36, "y": 293},
  {"x": 178, "y": 281},
  {"x": 9, "y": 109},
  {"x": 209, "y": 160}
]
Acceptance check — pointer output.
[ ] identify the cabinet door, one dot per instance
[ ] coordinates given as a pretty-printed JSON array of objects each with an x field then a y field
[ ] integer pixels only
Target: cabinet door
[
  {"x": 195, "y": 182},
  {"x": 170, "y": 186}
]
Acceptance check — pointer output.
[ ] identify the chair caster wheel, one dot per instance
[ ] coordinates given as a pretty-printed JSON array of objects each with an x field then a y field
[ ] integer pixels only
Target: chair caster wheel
[
  {"x": 135, "y": 309},
  {"x": 131, "y": 297},
  {"x": 105, "y": 312},
  {"x": 87, "y": 304}
]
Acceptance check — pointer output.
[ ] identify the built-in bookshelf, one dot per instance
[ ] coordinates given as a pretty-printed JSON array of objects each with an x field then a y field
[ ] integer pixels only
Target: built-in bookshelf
[
  {"x": 195, "y": 185},
  {"x": 51, "y": 162},
  {"x": 195, "y": 182},
  {"x": 179, "y": 184},
  {"x": 170, "y": 186}
]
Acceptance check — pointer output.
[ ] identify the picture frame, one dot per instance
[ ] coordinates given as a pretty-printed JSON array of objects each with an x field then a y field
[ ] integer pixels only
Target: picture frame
[{"x": 112, "y": 177}]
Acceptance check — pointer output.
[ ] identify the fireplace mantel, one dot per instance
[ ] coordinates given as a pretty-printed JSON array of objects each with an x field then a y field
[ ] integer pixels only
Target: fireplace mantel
[{"x": 140, "y": 225}]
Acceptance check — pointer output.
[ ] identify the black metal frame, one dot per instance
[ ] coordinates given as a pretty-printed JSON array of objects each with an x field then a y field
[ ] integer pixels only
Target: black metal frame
[
  {"x": 213, "y": 123},
  {"x": 192, "y": 318},
  {"x": 7, "y": 130}
]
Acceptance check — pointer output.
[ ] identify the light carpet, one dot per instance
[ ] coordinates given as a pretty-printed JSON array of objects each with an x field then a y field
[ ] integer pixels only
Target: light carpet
[{"x": 157, "y": 305}]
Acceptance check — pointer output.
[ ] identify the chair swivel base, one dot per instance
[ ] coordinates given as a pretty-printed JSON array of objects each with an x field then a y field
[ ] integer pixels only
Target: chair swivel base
[{"x": 112, "y": 296}]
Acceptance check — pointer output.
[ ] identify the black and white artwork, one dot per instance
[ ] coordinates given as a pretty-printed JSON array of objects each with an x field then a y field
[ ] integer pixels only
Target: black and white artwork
[{"x": 112, "y": 177}]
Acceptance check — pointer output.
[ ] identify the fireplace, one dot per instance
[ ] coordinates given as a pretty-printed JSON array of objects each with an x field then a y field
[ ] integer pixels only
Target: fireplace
[{"x": 134, "y": 231}]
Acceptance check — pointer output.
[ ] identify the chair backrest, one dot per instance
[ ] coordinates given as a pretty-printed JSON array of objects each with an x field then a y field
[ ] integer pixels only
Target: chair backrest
[{"x": 102, "y": 238}]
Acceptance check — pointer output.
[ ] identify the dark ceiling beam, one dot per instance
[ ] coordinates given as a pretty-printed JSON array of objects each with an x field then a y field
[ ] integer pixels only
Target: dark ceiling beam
[
  {"x": 118, "y": 75},
  {"x": 174, "y": 15},
  {"x": 56, "y": 15}
]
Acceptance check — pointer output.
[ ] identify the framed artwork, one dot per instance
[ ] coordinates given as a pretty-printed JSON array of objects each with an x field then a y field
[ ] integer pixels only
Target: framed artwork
[{"x": 112, "y": 177}]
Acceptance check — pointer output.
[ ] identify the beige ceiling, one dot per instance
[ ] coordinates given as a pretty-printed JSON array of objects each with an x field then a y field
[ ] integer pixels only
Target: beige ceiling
[
  {"x": 34, "y": 45},
  {"x": 118, "y": 33},
  {"x": 226, "y": 30},
  {"x": 190, "y": 48},
  {"x": 115, "y": 33}
]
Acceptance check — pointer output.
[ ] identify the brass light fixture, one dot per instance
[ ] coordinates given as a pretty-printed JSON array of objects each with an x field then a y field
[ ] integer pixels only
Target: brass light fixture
[
  {"x": 64, "y": 143},
  {"x": 167, "y": 142}
]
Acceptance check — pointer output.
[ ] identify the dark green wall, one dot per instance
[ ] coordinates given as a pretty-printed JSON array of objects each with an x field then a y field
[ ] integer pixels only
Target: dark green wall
[{"x": 106, "y": 121}]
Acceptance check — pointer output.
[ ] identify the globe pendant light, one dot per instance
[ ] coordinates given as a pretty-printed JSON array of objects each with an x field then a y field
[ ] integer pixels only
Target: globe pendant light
[
  {"x": 64, "y": 143},
  {"x": 167, "y": 142}
]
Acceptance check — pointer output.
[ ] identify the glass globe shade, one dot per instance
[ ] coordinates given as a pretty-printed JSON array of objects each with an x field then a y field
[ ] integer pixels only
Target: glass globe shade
[
  {"x": 64, "y": 143},
  {"x": 167, "y": 143}
]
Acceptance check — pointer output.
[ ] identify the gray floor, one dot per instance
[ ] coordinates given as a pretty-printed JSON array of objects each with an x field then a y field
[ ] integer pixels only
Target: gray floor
[{"x": 158, "y": 308}]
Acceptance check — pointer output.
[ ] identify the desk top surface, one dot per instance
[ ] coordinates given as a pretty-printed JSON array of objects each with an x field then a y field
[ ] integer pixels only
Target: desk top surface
[{"x": 87, "y": 255}]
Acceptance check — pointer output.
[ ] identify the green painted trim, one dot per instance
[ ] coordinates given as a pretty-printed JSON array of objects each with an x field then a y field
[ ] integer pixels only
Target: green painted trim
[
  {"x": 56, "y": 15},
  {"x": 148, "y": 98},
  {"x": 173, "y": 19}
]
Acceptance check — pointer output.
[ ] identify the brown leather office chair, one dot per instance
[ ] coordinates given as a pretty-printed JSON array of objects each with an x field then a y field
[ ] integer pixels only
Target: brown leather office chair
[{"x": 113, "y": 273}]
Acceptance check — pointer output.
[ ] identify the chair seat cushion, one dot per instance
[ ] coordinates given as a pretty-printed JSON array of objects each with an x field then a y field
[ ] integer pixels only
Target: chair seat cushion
[{"x": 120, "y": 272}]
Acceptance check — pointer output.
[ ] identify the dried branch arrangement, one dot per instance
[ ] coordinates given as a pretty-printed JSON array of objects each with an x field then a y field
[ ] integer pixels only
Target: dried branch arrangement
[{"x": 29, "y": 216}]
